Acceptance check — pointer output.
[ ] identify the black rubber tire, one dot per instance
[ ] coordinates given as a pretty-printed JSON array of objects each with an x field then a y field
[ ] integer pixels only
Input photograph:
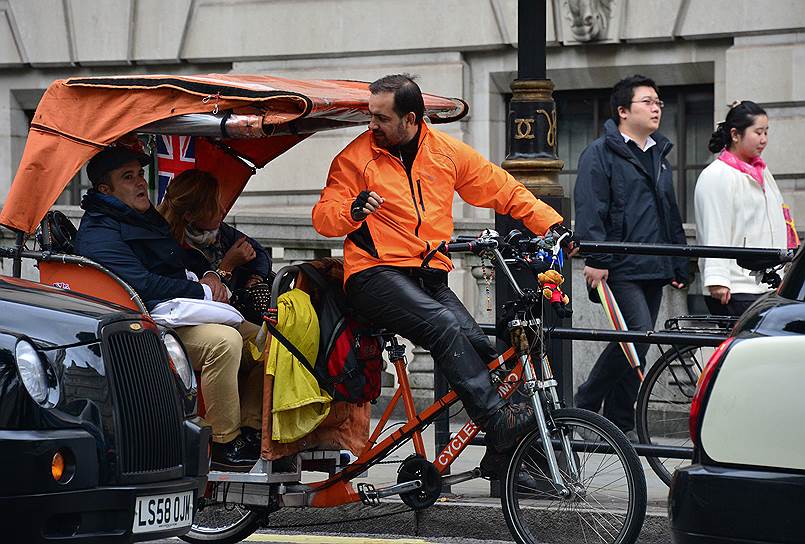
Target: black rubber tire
[
  {"x": 622, "y": 516},
  {"x": 236, "y": 532},
  {"x": 668, "y": 382}
]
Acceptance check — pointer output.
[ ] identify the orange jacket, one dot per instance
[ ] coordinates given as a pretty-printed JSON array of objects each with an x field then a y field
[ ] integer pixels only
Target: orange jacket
[{"x": 418, "y": 212}]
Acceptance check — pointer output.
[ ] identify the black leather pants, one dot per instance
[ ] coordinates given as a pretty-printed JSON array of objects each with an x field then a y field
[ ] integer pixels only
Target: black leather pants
[{"x": 418, "y": 304}]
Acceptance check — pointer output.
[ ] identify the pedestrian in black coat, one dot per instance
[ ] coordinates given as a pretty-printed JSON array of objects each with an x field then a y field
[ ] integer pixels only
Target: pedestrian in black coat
[{"x": 624, "y": 193}]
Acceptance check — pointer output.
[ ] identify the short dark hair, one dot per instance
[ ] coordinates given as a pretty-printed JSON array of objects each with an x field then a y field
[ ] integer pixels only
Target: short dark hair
[
  {"x": 623, "y": 93},
  {"x": 105, "y": 179},
  {"x": 407, "y": 94},
  {"x": 740, "y": 117}
]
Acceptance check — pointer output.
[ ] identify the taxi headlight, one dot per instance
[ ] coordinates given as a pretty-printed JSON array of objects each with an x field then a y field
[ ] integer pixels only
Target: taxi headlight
[
  {"x": 179, "y": 360},
  {"x": 32, "y": 371}
]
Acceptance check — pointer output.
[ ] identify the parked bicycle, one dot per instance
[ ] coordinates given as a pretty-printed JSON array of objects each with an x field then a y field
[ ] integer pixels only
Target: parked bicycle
[
  {"x": 665, "y": 396},
  {"x": 585, "y": 481}
]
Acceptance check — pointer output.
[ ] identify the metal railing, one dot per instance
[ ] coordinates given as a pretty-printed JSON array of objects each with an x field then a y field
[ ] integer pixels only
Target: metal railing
[{"x": 761, "y": 258}]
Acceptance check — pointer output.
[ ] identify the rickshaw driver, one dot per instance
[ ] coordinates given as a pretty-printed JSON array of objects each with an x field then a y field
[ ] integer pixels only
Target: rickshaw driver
[
  {"x": 390, "y": 192},
  {"x": 122, "y": 231}
]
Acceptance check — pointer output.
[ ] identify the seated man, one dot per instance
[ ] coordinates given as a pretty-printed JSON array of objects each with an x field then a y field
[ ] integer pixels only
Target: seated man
[{"x": 122, "y": 231}]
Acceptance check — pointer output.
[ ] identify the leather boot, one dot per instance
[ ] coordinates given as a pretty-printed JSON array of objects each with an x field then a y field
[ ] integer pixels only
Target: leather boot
[
  {"x": 494, "y": 465},
  {"x": 508, "y": 425}
]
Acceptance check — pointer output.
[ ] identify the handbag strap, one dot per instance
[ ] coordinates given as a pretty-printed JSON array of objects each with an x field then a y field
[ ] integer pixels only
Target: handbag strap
[{"x": 294, "y": 350}]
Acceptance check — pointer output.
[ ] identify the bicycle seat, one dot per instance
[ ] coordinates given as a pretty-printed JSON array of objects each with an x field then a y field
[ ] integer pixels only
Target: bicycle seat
[{"x": 758, "y": 264}]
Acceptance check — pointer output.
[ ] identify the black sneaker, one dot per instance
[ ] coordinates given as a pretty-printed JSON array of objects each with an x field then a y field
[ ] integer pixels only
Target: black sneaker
[
  {"x": 284, "y": 464},
  {"x": 235, "y": 455},
  {"x": 508, "y": 425},
  {"x": 253, "y": 437}
]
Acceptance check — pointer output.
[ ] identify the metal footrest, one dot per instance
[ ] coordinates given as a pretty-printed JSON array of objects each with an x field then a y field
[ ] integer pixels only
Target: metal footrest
[{"x": 260, "y": 473}]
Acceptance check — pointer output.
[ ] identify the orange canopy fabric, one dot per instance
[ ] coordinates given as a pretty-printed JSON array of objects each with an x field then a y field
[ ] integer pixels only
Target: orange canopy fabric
[{"x": 78, "y": 117}]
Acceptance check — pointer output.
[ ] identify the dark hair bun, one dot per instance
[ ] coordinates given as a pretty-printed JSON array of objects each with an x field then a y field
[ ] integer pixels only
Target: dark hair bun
[
  {"x": 719, "y": 139},
  {"x": 740, "y": 117}
]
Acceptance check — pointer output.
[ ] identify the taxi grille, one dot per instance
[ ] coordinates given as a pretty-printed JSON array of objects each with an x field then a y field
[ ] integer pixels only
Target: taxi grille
[{"x": 149, "y": 423}]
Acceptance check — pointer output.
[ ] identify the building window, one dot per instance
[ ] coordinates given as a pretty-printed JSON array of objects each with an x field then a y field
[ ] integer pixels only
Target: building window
[{"x": 687, "y": 120}]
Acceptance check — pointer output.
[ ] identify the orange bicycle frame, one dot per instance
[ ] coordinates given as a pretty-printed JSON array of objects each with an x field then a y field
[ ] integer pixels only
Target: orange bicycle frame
[{"x": 338, "y": 490}]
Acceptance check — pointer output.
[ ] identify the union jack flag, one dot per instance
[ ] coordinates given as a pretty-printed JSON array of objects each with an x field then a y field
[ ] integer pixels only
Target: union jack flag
[{"x": 175, "y": 154}]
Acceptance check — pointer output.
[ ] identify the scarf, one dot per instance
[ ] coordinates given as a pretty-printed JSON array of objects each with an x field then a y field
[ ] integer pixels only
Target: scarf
[
  {"x": 207, "y": 242},
  {"x": 754, "y": 169}
]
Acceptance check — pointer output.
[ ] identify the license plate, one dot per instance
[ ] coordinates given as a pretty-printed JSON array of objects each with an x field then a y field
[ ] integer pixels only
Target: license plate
[{"x": 163, "y": 512}]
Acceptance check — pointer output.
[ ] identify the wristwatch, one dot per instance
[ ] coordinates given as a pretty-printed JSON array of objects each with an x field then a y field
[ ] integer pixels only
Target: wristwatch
[{"x": 225, "y": 275}]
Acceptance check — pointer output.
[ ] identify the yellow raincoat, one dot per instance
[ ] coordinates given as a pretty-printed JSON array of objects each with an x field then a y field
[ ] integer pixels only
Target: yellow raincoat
[{"x": 299, "y": 405}]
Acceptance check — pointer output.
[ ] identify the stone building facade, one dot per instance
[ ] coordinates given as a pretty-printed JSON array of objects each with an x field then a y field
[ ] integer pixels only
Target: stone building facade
[{"x": 703, "y": 53}]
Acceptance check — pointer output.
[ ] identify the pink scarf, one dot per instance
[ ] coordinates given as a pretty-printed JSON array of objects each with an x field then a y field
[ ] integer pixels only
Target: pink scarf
[{"x": 753, "y": 169}]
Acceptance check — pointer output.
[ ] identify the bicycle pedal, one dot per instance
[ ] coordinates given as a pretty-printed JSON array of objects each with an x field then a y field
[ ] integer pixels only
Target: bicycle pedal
[{"x": 368, "y": 494}]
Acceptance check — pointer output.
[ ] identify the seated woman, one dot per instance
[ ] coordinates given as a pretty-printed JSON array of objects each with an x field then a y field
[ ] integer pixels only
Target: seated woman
[{"x": 192, "y": 208}]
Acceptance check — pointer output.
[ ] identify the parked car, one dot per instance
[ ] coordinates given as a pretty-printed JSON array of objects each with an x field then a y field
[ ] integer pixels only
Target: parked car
[
  {"x": 99, "y": 438},
  {"x": 747, "y": 480}
]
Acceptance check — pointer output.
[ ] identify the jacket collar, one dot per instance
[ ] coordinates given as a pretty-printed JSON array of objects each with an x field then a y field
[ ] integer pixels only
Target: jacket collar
[
  {"x": 99, "y": 204},
  {"x": 614, "y": 140}
]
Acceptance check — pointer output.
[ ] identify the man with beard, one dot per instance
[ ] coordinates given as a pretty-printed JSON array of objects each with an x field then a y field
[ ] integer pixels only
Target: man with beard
[{"x": 390, "y": 192}]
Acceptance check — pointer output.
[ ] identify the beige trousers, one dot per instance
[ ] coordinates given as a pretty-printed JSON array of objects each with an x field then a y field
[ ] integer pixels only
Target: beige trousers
[{"x": 231, "y": 380}]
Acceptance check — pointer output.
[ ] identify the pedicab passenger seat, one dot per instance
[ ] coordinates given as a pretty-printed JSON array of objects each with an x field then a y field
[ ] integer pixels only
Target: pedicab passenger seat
[{"x": 59, "y": 267}]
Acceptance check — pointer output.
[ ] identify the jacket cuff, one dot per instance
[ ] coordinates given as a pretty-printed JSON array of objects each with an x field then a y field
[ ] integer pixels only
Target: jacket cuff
[
  {"x": 715, "y": 279},
  {"x": 597, "y": 262},
  {"x": 207, "y": 291},
  {"x": 346, "y": 214}
]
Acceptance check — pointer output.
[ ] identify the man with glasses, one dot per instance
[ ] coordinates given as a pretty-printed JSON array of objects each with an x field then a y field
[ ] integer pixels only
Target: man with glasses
[{"x": 624, "y": 192}]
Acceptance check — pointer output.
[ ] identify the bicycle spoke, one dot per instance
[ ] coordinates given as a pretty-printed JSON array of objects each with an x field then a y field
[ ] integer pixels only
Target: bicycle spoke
[{"x": 598, "y": 512}]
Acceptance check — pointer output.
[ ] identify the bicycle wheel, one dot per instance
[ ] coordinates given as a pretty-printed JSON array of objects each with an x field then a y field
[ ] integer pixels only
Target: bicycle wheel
[
  {"x": 609, "y": 504},
  {"x": 222, "y": 523},
  {"x": 663, "y": 405}
]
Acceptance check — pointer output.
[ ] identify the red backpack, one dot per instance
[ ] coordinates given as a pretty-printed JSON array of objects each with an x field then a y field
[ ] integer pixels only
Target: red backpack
[{"x": 349, "y": 361}]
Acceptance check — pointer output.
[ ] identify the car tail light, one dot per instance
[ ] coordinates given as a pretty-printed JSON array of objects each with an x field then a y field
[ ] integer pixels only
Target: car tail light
[{"x": 703, "y": 385}]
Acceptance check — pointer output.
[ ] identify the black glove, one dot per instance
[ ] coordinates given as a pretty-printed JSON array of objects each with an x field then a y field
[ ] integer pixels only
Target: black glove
[
  {"x": 559, "y": 230},
  {"x": 356, "y": 211}
]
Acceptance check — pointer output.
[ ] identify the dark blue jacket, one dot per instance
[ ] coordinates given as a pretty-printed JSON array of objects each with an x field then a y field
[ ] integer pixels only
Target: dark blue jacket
[
  {"x": 138, "y": 247},
  {"x": 228, "y": 235},
  {"x": 617, "y": 200}
]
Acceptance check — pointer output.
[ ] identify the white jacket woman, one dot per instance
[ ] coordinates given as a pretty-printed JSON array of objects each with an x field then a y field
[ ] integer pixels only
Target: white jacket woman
[{"x": 739, "y": 204}]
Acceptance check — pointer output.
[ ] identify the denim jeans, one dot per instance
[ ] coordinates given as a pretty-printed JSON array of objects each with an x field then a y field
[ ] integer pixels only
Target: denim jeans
[{"x": 738, "y": 304}]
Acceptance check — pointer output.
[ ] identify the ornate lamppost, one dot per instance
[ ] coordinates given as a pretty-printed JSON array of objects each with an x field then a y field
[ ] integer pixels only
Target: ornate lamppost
[{"x": 532, "y": 157}]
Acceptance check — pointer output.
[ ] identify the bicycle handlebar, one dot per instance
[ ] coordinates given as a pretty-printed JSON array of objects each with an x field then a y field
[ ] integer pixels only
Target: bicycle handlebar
[{"x": 538, "y": 254}]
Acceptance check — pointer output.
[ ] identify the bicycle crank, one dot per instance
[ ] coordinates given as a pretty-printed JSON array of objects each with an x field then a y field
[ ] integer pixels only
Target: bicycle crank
[{"x": 415, "y": 468}]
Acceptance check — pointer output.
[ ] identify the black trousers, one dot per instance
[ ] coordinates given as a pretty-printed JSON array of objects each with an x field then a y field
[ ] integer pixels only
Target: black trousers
[
  {"x": 419, "y": 305},
  {"x": 612, "y": 382},
  {"x": 738, "y": 304}
]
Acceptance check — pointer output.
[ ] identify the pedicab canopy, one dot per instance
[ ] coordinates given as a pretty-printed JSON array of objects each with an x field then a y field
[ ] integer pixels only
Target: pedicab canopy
[{"x": 242, "y": 122}]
